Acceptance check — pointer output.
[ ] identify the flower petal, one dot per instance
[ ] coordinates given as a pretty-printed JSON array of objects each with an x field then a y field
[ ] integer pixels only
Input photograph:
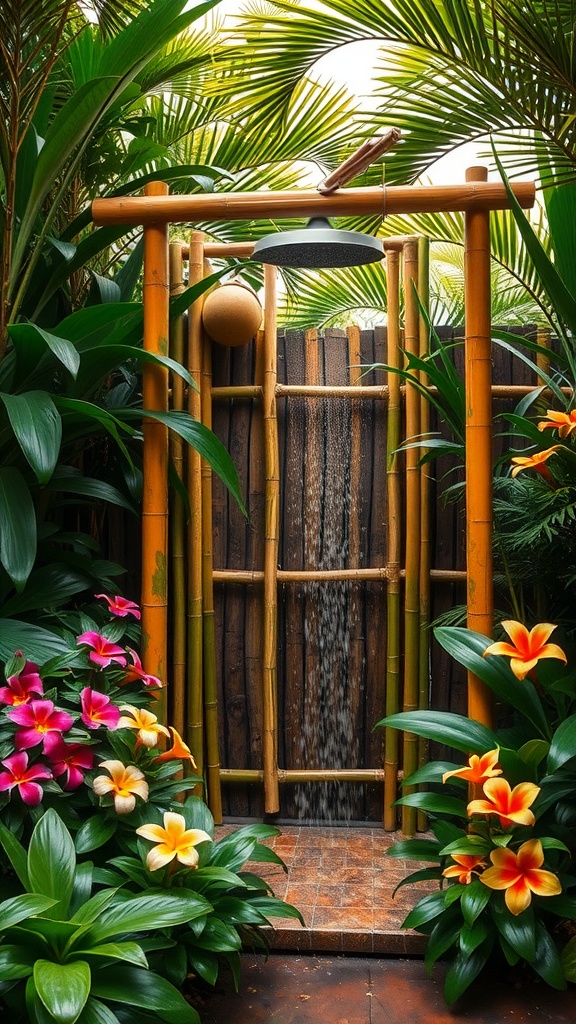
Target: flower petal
[
  {"x": 518, "y": 897},
  {"x": 155, "y": 833},
  {"x": 159, "y": 857},
  {"x": 544, "y": 883}
]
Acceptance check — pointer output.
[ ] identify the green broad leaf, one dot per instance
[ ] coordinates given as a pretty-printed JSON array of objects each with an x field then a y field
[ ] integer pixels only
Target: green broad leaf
[
  {"x": 472, "y": 936},
  {"x": 148, "y": 912},
  {"x": 15, "y": 962},
  {"x": 431, "y": 772},
  {"x": 444, "y": 727},
  {"x": 19, "y": 908},
  {"x": 52, "y": 862},
  {"x": 462, "y": 972},
  {"x": 424, "y": 875},
  {"x": 93, "y": 833},
  {"x": 473, "y": 901},
  {"x": 88, "y": 487},
  {"x": 435, "y": 803},
  {"x": 415, "y": 849},
  {"x": 38, "y": 429},
  {"x": 269, "y": 906},
  {"x": 144, "y": 990},
  {"x": 63, "y": 988},
  {"x": 468, "y": 649},
  {"x": 65, "y": 352},
  {"x": 128, "y": 952},
  {"x": 518, "y": 930},
  {"x": 548, "y": 843},
  {"x": 216, "y": 936},
  {"x": 17, "y": 527},
  {"x": 426, "y": 910},
  {"x": 39, "y": 643},
  {"x": 16, "y": 853},
  {"x": 93, "y": 907},
  {"x": 563, "y": 906},
  {"x": 96, "y": 1012},
  {"x": 533, "y": 752},
  {"x": 205, "y": 966},
  {"x": 468, "y": 844},
  {"x": 563, "y": 744},
  {"x": 444, "y": 934},
  {"x": 547, "y": 962},
  {"x": 568, "y": 958}
]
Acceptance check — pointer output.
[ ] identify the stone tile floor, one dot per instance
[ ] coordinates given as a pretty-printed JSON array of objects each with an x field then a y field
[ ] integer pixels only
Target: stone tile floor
[{"x": 342, "y": 881}]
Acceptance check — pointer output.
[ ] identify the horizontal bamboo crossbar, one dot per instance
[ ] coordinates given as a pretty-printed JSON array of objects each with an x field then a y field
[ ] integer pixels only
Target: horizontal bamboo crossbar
[
  {"x": 391, "y": 200},
  {"x": 248, "y": 576},
  {"x": 293, "y": 775},
  {"x": 224, "y": 250},
  {"x": 372, "y": 391}
]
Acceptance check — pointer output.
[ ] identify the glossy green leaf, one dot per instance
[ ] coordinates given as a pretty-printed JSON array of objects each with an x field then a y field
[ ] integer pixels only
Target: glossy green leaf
[
  {"x": 547, "y": 962},
  {"x": 473, "y": 900},
  {"x": 128, "y": 952},
  {"x": 147, "y": 912},
  {"x": 93, "y": 907},
  {"x": 431, "y": 772},
  {"x": 518, "y": 930},
  {"x": 38, "y": 429},
  {"x": 16, "y": 853},
  {"x": 472, "y": 936},
  {"x": 15, "y": 962},
  {"x": 445, "y": 727},
  {"x": 415, "y": 849},
  {"x": 52, "y": 861},
  {"x": 462, "y": 972},
  {"x": 19, "y": 908},
  {"x": 96, "y": 1012},
  {"x": 23, "y": 335},
  {"x": 426, "y": 910},
  {"x": 38, "y": 643},
  {"x": 436, "y": 803},
  {"x": 93, "y": 833},
  {"x": 563, "y": 744},
  {"x": 444, "y": 934},
  {"x": 144, "y": 990},
  {"x": 63, "y": 988},
  {"x": 17, "y": 527},
  {"x": 568, "y": 958}
]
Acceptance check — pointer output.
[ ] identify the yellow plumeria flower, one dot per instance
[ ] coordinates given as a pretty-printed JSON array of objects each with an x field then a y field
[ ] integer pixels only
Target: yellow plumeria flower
[
  {"x": 521, "y": 874},
  {"x": 125, "y": 783},
  {"x": 147, "y": 724},
  {"x": 172, "y": 841}
]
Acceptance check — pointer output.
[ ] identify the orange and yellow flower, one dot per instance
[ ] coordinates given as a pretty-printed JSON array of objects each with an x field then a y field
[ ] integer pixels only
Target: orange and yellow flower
[
  {"x": 536, "y": 461},
  {"x": 147, "y": 724},
  {"x": 125, "y": 783},
  {"x": 179, "y": 751},
  {"x": 563, "y": 422},
  {"x": 511, "y": 805},
  {"x": 520, "y": 875},
  {"x": 478, "y": 769},
  {"x": 527, "y": 648},
  {"x": 464, "y": 867},
  {"x": 172, "y": 841}
]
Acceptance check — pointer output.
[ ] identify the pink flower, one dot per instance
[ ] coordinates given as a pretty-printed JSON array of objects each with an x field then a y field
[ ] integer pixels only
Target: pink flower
[
  {"x": 120, "y": 606},
  {"x": 39, "y": 718},
  {"x": 97, "y": 710},
  {"x": 136, "y": 671},
  {"x": 22, "y": 685},
  {"x": 71, "y": 759},
  {"x": 103, "y": 652},
  {"x": 21, "y": 776}
]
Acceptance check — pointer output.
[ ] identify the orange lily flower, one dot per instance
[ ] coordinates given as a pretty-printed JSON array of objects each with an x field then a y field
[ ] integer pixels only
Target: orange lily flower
[
  {"x": 526, "y": 648},
  {"x": 520, "y": 875},
  {"x": 563, "y": 422},
  {"x": 174, "y": 840},
  {"x": 465, "y": 865},
  {"x": 147, "y": 724},
  {"x": 536, "y": 461},
  {"x": 179, "y": 751},
  {"x": 511, "y": 805},
  {"x": 478, "y": 769},
  {"x": 126, "y": 782}
]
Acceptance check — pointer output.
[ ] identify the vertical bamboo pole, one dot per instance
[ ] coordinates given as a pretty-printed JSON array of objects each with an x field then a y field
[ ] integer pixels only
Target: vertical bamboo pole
[
  {"x": 412, "y": 554},
  {"x": 271, "y": 543},
  {"x": 177, "y": 521},
  {"x": 424, "y": 655},
  {"x": 194, "y": 631},
  {"x": 155, "y": 296},
  {"x": 394, "y": 503},
  {"x": 478, "y": 381},
  {"x": 208, "y": 625},
  {"x": 356, "y": 652}
]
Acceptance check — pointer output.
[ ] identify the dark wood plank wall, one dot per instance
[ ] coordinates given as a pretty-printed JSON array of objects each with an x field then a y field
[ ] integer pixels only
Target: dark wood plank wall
[{"x": 329, "y": 449}]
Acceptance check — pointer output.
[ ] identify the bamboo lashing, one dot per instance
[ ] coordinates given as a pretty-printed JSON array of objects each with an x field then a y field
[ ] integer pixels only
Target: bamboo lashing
[
  {"x": 478, "y": 379},
  {"x": 224, "y": 206},
  {"x": 155, "y": 298},
  {"x": 425, "y": 546},
  {"x": 393, "y": 501},
  {"x": 177, "y": 518},
  {"x": 194, "y": 595},
  {"x": 412, "y": 531},
  {"x": 271, "y": 542}
]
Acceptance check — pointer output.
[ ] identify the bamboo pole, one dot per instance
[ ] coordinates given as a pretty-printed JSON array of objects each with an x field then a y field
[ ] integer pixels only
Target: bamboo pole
[
  {"x": 395, "y": 199},
  {"x": 194, "y": 614},
  {"x": 354, "y": 611},
  {"x": 177, "y": 520},
  {"x": 394, "y": 501},
  {"x": 372, "y": 392},
  {"x": 425, "y": 555},
  {"x": 271, "y": 543},
  {"x": 412, "y": 533},
  {"x": 478, "y": 379},
  {"x": 294, "y": 775},
  {"x": 212, "y": 773},
  {"x": 155, "y": 297},
  {"x": 247, "y": 576}
]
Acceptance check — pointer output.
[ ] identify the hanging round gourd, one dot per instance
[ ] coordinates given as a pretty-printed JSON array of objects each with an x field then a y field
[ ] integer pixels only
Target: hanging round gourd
[{"x": 232, "y": 313}]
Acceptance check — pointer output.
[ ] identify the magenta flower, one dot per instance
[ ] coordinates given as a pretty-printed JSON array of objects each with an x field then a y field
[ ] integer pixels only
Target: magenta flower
[
  {"x": 97, "y": 710},
  {"x": 38, "y": 718},
  {"x": 70, "y": 759},
  {"x": 22, "y": 685},
  {"x": 120, "y": 606},
  {"x": 136, "y": 671},
  {"x": 20, "y": 776},
  {"x": 103, "y": 652}
]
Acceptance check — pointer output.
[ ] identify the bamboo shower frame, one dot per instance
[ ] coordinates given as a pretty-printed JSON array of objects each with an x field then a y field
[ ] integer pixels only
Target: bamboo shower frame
[{"x": 155, "y": 210}]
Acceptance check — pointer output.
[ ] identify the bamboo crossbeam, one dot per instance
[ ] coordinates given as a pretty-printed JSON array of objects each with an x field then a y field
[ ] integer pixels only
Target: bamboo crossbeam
[
  {"x": 388, "y": 201},
  {"x": 478, "y": 404},
  {"x": 177, "y": 520},
  {"x": 294, "y": 775},
  {"x": 372, "y": 392},
  {"x": 271, "y": 543},
  {"x": 248, "y": 576}
]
